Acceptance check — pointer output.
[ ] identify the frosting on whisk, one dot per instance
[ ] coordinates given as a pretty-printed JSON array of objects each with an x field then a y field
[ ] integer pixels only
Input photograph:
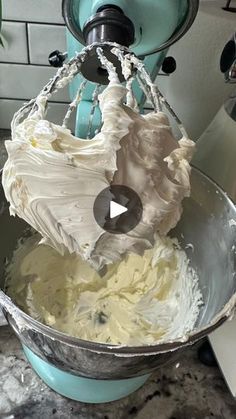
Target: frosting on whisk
[{"x": 51, "y": 177}]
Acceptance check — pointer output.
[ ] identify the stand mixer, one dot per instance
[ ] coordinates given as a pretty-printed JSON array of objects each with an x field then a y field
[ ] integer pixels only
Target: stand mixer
[
  {"x": 93, "y": 372},
  {"x": 148, "y": 31}
]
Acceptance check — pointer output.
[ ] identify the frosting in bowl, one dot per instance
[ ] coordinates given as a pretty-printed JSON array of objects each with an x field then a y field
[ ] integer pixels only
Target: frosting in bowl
[{"x": 140, "y": 300}]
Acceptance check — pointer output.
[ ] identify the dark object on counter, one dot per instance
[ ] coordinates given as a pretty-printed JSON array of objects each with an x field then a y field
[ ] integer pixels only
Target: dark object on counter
[
  {"x": 206, "y": 355},
  {"x": 228, "y": 56},
  {"x": 227, "y": 7}
]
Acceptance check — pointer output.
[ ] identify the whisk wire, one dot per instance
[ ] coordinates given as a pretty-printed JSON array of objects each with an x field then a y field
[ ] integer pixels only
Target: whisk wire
[{"x": 132, "y": 69}]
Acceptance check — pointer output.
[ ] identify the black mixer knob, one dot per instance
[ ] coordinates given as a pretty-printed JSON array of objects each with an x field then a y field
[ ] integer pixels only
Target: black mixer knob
[
  {"x": 56, "y": 58},
  {"x": 169, "y": 65}
]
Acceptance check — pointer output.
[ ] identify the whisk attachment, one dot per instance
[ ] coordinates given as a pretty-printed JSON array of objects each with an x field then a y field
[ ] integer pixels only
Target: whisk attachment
[
  {"x": 93, "y": 70},
  {"x": 117, "y": 63}
]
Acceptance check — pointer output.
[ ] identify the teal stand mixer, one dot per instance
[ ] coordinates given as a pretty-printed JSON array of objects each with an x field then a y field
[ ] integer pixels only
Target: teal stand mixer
[{"x": 148, "y": 28}]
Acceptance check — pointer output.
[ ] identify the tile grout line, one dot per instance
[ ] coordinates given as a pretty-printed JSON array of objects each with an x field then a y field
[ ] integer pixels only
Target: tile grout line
[
  {"x": 27, "y": 42},
  {"x": 33, "y": 22},
  {"x": 28, "y": 64}
]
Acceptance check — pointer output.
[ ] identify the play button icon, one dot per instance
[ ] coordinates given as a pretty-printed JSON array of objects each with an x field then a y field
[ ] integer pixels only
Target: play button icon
[{"x": 117, "y": 209}]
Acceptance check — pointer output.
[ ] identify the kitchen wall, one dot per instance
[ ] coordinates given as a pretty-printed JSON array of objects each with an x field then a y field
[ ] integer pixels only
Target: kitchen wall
[
  {"x": 32, "y": 29},
  {"x": 197, "y": 89}
]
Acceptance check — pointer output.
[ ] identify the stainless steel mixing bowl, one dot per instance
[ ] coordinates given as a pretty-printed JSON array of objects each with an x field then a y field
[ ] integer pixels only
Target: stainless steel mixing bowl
[{"x": 206, "y": 224}]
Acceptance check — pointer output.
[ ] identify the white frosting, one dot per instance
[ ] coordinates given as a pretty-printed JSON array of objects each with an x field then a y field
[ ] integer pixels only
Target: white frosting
[
  {"x": 140, "y": 300},
  {"x": 52, "y": 178}
]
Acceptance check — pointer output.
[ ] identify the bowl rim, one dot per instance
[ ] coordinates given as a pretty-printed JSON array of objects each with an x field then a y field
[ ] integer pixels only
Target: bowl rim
[{"x": 25, "y": 321}]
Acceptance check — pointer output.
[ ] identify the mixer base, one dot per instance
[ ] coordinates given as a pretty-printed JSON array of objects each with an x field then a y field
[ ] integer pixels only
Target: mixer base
[{"x": 83, "y": 389}]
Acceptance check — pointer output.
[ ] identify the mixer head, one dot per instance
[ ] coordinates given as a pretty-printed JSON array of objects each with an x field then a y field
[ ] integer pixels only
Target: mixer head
[
  {"x": 108, "y": 24},
  {"x": 147, "y": 27}
]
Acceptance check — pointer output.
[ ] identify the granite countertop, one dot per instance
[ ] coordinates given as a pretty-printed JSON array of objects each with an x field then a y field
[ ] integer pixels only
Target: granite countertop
[{"x": 186, "y": 390}]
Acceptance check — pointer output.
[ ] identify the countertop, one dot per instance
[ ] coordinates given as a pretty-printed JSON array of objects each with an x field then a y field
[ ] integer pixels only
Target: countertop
[{"x": 186, "y": 390}]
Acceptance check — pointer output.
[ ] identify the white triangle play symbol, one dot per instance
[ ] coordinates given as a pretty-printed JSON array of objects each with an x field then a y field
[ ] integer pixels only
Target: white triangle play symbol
[{"x": 116, "y": 209}]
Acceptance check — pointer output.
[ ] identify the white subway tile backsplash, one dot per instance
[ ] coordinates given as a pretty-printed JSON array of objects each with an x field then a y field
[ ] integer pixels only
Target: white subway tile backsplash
[
  {"x": 33, "y": 10},
  {"x": 43, "y": 39},
  {"x": 8, "y": 107},
  {"x": 15, "y": 42},
  {"x": 25, "y": 82},
  {"x": 7, "y": 110}
]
